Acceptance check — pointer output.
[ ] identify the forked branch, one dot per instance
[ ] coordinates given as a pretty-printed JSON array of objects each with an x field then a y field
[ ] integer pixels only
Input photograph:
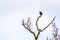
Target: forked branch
[
  {"x": 28, "y": 25},
  {"x": 39, "y": 30}
]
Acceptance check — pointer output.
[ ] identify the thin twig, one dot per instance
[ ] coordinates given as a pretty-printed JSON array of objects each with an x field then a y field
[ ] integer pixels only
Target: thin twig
[
  {"x": 28, "y": 27},
  {"x": 37, "y": 23},
  {"x": 48, "y": 24}
]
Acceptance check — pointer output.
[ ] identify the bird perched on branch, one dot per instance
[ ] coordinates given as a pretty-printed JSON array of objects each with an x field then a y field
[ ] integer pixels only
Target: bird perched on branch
[{"x": 40, "y": 13}]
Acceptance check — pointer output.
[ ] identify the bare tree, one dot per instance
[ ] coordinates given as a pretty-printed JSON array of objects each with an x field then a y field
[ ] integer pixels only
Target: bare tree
[
  {"x": 55, "y": 31},
  {"x": 28, "y": 24},
  {"x": 55, "y": 34}
]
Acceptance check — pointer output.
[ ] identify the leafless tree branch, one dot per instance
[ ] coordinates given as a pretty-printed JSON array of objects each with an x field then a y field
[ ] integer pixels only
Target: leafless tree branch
[
  {"x": 28, "y": 24},
  {"x": 48, "y": 24}
]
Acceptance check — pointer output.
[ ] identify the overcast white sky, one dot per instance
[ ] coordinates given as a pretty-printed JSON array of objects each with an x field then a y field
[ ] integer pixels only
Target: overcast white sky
[{"x": 12, "y": 12}]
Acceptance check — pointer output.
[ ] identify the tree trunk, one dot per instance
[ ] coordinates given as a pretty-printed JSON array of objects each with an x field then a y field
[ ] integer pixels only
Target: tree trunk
[{"x": 36, "y": 38}]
